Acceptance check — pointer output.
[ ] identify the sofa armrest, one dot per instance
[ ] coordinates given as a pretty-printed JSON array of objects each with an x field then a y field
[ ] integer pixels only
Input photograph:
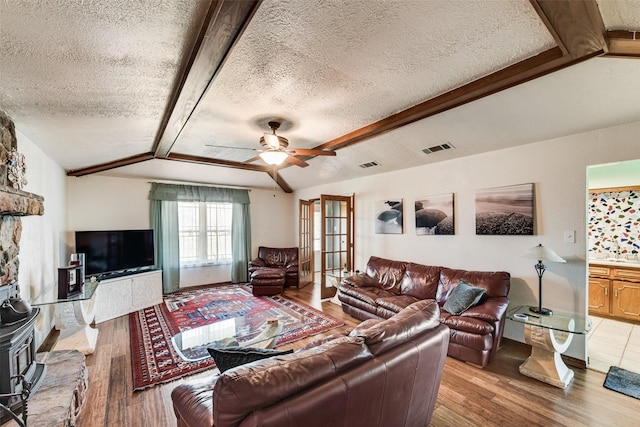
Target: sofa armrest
[
  {"x": 492, "y": 309},
  {"x": 257, "y": 263},
  {"x": 361, "y": 280},
  {"x": 192, "y": 401},
  {"x": 291, "y": 266}
]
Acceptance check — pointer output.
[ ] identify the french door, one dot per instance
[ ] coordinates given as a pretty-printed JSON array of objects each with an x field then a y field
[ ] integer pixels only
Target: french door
[
  {"x": 337, "y": 248},
  {"x": 336, "y": 240},
  {"x": 305, "y": 243}
]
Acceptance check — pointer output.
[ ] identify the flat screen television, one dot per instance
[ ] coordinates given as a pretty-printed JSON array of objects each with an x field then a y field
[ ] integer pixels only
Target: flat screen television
[{"x": 115, "y": 251}]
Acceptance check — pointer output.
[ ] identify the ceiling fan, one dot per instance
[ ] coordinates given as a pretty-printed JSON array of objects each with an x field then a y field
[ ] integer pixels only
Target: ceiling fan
[{"x": 275, "y": 151}]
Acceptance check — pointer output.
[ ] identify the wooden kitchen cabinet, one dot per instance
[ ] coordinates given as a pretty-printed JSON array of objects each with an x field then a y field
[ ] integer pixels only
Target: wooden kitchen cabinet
[
  {"x": 599, "y": 296},
  {"x": 614, "y": 292}
]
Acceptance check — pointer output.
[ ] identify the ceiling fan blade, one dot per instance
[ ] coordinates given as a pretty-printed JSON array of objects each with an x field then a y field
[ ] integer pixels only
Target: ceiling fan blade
[
  {"x": 296, "y": 161},
  {"x": 253, "y": 159},
  {"x": 312, "y": 152},
  {"x": 231, "y": 148}
]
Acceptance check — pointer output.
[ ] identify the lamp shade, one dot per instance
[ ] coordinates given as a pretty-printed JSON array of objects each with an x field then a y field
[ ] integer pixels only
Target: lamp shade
[
  {"x": 542, "y": 253},
  {"x": 273, "y": 157}
]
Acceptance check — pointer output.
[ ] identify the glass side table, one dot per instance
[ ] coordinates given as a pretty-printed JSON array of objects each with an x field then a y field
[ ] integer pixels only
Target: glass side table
[
  {"x": 73, "y": 317},
  {"x": 549, "y": 337},
  {"x": 332, "y": 282}
]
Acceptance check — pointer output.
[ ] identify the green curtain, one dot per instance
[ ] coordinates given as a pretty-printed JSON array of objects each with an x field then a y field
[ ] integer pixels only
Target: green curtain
[
  {"x": 164, "y": 221},
  {"x": 240, "y": 242},
  {"x": 194, "y": 193},
  {"x": 167, "y": 244}
]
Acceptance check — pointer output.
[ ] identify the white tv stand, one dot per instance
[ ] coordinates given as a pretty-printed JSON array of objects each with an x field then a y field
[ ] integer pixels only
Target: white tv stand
[{"x": 126, "y": 294}]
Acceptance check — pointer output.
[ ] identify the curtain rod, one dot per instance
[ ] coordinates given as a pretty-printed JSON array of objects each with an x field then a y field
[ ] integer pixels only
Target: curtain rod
[{"x": 160, "y": 181}]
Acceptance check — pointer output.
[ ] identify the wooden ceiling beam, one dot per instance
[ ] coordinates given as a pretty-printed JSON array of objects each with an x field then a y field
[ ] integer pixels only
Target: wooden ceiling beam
[
  {"x": 223, "y": 25},
  {"x": 576, "y": 26},
  {"x": 225, "y": 22},
  {"x": 281, "y": 182},
  {"x": 111, "y": 165},
  {"x": 218, "y": 162},
  {"x": 623, "y": 44},
  {"x": 511, "y": 76},
  {"x": 272, "y": 171}
]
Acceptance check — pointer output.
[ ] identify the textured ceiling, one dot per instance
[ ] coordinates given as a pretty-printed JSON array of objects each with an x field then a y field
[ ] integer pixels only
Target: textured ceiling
[
  {"x": 92, "y": 82},
  {"x": 89, "y": 81},
  {"x": 338, "y": 67},
  {"x": 620, "y": 14}
]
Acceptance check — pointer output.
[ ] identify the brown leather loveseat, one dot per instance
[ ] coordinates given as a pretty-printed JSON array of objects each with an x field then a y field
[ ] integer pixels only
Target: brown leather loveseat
[
  {"x": 388, "y": 286},
  {"x": 285, "y": 259},
  {"x": 383, "y": 373}
]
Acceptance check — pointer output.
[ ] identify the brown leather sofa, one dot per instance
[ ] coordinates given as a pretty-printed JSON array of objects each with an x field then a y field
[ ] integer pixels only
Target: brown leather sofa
[
  {"x": 388, "y": 286},
  {"x": 383, "y": 373},
  {"x": 285, "y": 259}
]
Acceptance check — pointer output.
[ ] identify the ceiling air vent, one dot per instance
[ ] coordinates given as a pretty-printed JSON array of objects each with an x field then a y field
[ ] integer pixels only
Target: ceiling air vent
[
  {"x": 368, "y": 165},
  {"x": 436, "y": 148}
]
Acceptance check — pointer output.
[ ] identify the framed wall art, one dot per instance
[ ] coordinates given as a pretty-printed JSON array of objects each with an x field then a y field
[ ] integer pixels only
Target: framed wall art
[
  {"x": 389, "y": 216},
  {"x": 505, "y": 210},
  {"x": 434, "y": 215}
]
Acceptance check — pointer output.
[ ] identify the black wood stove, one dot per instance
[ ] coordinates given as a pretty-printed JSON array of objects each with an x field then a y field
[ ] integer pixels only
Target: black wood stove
[{"x": 18, "y": 358}]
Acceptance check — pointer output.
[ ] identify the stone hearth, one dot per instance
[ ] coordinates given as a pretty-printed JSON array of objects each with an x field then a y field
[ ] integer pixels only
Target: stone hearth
[
  {"x": 60, "y": 399},
  {"x": 14, "y": 203},
  {"x": 17, "y": 349}
]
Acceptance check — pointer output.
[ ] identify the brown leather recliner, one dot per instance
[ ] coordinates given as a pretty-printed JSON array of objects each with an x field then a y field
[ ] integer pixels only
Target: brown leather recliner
[{"x": 283, "y": 258}]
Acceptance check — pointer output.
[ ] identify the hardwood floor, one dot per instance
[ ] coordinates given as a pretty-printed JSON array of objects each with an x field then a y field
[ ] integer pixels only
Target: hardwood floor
[{"x": 495, "y": 396}]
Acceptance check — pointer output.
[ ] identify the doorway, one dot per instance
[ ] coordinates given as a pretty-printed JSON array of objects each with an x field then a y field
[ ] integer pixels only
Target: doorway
[
  {"x": 612, "y": 249},
  {"x": 326, "y": 235}
]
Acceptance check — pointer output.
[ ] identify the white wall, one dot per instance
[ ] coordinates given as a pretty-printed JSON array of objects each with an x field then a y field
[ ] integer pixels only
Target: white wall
[
  {"x": 108, "y": 203},
  {"x": 42, "y": 247},
  {"x": 557, "y": 168}
]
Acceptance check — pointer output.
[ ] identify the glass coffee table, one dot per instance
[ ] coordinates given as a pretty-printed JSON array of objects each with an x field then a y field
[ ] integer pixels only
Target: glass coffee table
[{"x": 192, "y": 344}]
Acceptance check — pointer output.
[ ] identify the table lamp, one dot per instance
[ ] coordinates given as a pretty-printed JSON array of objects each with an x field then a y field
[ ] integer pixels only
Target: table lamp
[{"x": 541, "y": 253}]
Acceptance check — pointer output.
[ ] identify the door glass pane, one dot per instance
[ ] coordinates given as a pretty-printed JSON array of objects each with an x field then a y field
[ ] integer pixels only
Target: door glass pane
[
  {"x": 329, "y": 244},
  {"x": 328, "y": 209},
  {"x": 336, "y": 243}
]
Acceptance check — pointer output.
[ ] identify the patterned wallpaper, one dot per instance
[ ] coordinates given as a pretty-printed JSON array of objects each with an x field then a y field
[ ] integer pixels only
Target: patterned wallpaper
[{"x": 614, "y": 217}]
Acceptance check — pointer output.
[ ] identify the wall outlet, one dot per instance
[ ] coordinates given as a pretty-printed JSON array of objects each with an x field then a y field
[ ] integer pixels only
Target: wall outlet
[{"x": 569, "y": 236}]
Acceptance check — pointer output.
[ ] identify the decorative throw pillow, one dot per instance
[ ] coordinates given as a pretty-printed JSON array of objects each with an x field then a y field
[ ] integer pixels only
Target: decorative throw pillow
[
  {"x": 230, "y": 357},
  {"x": 463, "y": 297}
]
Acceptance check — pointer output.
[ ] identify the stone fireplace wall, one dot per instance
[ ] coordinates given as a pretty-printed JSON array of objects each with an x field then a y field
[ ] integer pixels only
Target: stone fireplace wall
[{"x": 14, "y": 203}]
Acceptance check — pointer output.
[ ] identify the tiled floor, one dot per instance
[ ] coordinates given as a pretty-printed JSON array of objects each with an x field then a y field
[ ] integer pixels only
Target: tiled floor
[{"x": 613, "y": 343}]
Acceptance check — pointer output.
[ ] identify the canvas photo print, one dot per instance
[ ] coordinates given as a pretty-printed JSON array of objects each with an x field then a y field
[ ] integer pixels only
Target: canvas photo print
[
  {"x": 434, "y": 215},
  {"x": 388, "y": 216},
  {"x": 505, "y": 210}
]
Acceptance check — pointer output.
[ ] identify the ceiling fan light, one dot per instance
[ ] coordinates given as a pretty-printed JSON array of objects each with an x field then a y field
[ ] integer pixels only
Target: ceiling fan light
[
  {"x": 272, "y": 140},
  {"x": 274, "y": 157}
]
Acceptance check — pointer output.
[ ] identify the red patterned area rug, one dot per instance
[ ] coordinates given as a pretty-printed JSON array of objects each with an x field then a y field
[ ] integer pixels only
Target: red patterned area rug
[{"x": 154, "y": 359}]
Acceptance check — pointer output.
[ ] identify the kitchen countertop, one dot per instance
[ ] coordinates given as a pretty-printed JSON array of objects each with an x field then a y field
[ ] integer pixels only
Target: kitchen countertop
[{"x": 608, "y": 263}]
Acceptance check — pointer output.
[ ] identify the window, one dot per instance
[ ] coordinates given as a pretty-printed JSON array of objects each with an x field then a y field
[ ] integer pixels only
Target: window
[{"x": 205, "y": 233}]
